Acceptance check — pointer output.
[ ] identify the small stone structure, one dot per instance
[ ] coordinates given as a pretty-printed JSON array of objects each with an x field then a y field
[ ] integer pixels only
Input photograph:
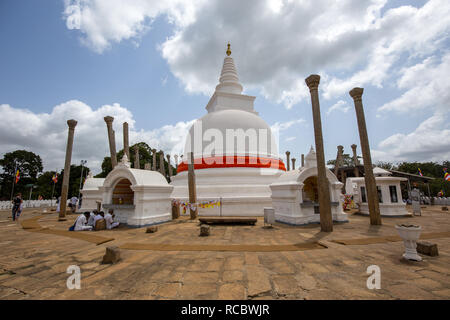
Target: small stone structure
[
  {"x": 138, "y": 197},
  {"x": 91, "y": 193},
  {"x": 205, "y": 230},
  {"x": 112, "y": 255},
  {"x": 427, "y": 248},
  {"x": 152, "y": 229},
  {"x": 295, "y": 195},
  {"x": 389, "y": 194}
]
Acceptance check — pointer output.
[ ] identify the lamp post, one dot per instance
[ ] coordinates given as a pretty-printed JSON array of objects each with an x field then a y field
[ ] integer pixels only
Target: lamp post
[{"x": 83, "y": 162}]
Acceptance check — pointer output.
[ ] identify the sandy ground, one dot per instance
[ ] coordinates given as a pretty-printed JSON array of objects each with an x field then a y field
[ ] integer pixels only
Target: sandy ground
[{"x": 33, "y": 265}]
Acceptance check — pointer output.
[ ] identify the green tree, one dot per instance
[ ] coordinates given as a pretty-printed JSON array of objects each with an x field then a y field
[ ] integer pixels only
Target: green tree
[
  {"x": 145, "y": 156},
  {"x": 347, "y": 160},
  {"x": 29, "y": 165}
]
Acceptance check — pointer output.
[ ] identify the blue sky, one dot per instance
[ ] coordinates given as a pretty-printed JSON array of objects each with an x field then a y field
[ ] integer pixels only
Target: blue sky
[{"x": 156, "y": 65}]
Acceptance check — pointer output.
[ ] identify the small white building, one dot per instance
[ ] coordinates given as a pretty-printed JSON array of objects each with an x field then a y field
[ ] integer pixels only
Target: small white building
[
  {"x": 91, "y": 193},
  {"x": 138, "y": 197},
  {"x": 295, "y": 196},
  {"x": 389, "y": 193}
]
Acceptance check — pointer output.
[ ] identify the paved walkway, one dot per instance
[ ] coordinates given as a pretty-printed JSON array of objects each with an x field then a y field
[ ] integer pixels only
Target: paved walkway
[{"x": 33, "y": 265}]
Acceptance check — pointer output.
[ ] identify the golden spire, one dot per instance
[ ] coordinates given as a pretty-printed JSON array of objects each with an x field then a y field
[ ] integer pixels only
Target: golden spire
[{"x": 228, "y": 50}]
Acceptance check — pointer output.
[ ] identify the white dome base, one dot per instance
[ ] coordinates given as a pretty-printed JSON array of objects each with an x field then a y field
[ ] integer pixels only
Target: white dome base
[{"x": 244, "y": 191}]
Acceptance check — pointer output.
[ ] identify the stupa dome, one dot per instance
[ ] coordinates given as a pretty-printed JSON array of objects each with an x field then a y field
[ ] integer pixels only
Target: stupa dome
[{"x": 231, "y": 128}]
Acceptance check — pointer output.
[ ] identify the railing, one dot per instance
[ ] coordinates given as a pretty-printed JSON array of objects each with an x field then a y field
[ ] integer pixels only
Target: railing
[{"x": 4, "y": 205}]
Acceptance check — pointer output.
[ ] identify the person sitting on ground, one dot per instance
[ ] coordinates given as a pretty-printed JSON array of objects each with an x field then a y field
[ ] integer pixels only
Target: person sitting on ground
[
  {"x": 99, "y": 221},
  {"x": 110, "y": 224},
  {"x": 91, "y": 218},
  {"x": 80, "y": 223}
]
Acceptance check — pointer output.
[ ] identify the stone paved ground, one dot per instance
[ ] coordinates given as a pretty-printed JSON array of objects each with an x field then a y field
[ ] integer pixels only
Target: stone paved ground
[{"x": 33, "y": 265}]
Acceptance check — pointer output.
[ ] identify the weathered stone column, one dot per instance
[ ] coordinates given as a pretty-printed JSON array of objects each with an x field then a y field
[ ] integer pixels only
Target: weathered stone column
[
  {"x": 154, "y": 159},
  {"x": 371, "y": 187},
  {"x": 137, "y": 164},
  {"x": 192, "y": 186},
  {"x": 326, "y": 219},
  {"x": 293, "y": 163},
  {"x": 112, "y": 146},
  {"x": 337, "y": 164},
  {"x": 355, "y": 160},
  {"x": 162, "y": 169},
  {"x": 303, "y": 160},
  {"x": 126, "y": 142},
  {"x": 176, "y": 162},
  {"x": 288, "y": 161},
  {"x": 169, "y": 166},
  {"x": 65, "y": 184}
]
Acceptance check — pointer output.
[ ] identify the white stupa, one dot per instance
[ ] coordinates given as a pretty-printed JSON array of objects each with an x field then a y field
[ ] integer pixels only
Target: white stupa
[{"x": 235, "y": 154}]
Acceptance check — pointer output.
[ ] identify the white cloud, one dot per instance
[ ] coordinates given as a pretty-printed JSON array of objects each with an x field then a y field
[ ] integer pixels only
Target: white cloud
[
  {"x": 46, "y": 133},
  {"x": 276, "y": 43},
  {"x": 341, "y": 105},
  {"x": 430, "y": 141},
  {"x": 426, "y": 84}
]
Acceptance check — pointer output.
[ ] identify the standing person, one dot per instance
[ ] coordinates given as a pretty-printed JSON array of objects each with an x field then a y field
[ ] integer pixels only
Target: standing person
[
  {"x": 17, "y": 206},
  {"x": 73, "y": 202},
  {"x": 58, "y": 201},
  {"x": 109, "y": 217}
]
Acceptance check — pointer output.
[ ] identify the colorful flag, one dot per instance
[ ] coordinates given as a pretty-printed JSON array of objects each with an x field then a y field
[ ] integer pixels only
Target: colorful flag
[
  {"x": 447, "y": 176},
  {"x": 17, "y": 175},
  {"x": 440, "y": 193},
  {"x": 55, "y": 178},
  {"x": 420, "y": 172}
]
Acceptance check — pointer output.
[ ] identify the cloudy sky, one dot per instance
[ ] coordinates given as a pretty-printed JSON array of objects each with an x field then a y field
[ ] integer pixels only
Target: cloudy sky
[{"x": 155, "y": 64}]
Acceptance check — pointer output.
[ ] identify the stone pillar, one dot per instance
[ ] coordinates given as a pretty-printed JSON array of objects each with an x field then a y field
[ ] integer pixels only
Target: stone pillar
[
  {"x": 288, "y": 161},
  {"x": 65, "y": 183},
  {"x": 337, "y": 164},
  {"x": 112, "y": 146},
  {"x": 169, "y": 166},
  {"x": 355, "y": 160},
  {"x": 192, "y": 186},
  {"x": 293, "y": 163},
  {"x": 137, "y": 164},
  {"x": 371, "y": 187},
  {"x": 176, "y": 162},
  {"x": 154, "y": 159},
  {"x": 326, "y": 219},
  {"x": 303, "y": 160},
  {"x": 162, "y": 169},
  {"x": 126, "y": 142}
]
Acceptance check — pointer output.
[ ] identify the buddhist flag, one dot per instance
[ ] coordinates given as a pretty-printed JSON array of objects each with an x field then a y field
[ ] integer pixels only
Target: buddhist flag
[
  {"x": 440, "y": 193},
  {"x": 55, "y": 178},
  {"x": 17, "y": 176},
  {"x": 447, "y": 176},
  {"x": 420, "y": 172}
]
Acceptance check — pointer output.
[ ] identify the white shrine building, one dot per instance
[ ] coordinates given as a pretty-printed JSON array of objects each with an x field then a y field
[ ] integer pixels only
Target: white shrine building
[
  {"x": 91, "y": 193},
  {"x": 295, "y": 197},
  {"x": 235, "y": 155},
  {"x": 389, "y": 193},
  {"x": 138, "y": 197}
]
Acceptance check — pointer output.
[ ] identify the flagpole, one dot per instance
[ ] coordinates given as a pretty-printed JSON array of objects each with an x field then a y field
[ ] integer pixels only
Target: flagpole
[
  {"x": 53, "y": 190},
  {"x": 14, "y": 181}
]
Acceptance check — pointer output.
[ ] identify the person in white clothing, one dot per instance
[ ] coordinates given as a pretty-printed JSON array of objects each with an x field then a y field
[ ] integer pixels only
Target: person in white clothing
[
  {"x": 73, "y": 203},
  {"x": 110, "y": 224},
  {"x": 80, "y": 224},
  {"x": 91, "y": 218}
]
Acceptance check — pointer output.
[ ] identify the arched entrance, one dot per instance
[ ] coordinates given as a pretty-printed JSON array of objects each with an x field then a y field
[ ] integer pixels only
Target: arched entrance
[
  {"x": 310, "y": 190},
  {"x": 122, "y": 193}
]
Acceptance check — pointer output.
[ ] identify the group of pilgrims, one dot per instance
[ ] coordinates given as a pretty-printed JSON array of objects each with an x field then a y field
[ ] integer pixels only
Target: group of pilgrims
[{"x": 88, "y": 221}]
